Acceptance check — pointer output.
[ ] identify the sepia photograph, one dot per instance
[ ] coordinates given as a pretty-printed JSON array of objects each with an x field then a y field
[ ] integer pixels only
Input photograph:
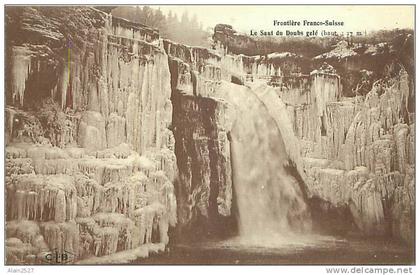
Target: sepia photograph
[{"x": 209, "y": 135}]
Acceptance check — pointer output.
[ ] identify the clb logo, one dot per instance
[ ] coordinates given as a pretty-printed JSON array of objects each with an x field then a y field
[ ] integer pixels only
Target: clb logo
[{"x": 58, "y": 257}]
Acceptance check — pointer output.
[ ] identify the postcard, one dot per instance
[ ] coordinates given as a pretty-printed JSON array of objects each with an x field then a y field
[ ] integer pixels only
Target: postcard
[{"x": 210, "y": 134}]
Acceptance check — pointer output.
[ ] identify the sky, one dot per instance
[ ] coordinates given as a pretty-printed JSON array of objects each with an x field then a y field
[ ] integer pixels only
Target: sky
[{"x": 245, "y": 18}]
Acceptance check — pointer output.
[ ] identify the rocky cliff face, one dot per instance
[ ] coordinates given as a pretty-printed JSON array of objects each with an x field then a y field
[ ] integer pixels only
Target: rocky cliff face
[
  {"x": 90, "y": 158},
  {"x": 114, "y": 135},
  {"x": 201, "y": 124}
]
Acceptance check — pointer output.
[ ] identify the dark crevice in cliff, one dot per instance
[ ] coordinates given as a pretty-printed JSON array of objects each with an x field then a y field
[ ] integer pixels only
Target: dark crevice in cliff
[
  {"x": 236, "y": 80},
  {"x": 387, "y": 206},
  {"x": 38, "y": 87},
  {"x": 292, "y": 170},
  {"x": 194, "y": 82},
  {"x": 173, "y": 70},
  {"x": 330, "y": 219}
]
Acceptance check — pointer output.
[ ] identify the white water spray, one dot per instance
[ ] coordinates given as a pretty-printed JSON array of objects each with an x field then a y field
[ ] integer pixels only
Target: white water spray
[{"x": 270, "y": 202}]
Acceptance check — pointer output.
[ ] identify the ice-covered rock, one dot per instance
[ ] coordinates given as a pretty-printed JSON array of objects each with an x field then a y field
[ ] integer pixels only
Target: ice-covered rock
[{"x": 111, "y": 80}]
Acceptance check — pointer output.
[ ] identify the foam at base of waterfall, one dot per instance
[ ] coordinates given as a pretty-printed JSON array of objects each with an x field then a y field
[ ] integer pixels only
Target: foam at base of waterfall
[{"x": 283, "y": 242}]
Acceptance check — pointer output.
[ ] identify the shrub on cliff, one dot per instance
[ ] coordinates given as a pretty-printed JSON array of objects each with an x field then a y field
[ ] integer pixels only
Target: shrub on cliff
[{"x": 56, "y": 124}]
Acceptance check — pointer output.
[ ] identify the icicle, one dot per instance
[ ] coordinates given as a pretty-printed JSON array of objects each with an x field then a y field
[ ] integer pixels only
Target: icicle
[
  {"x": 10, "y": 114},
  {"x": 60, "y": 207},
  {"x": 21, "y": 69},
  {"x": 65, "y": 78}
]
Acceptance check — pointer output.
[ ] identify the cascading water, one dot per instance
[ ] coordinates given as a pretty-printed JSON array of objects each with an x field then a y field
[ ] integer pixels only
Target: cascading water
[{"x": 270, "y": 201}]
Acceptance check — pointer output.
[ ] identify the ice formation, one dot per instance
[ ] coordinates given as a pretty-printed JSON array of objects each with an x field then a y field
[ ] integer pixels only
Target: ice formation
[
  {"x": 107, "y": 186},
  {"x": 98, "y": 205}
]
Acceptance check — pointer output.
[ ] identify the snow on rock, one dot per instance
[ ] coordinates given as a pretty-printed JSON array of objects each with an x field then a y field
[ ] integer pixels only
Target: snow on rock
[
  {"x": 341, "y": 51},
  {"x": 92, "y": 131},
  {"x": 26, "y": 231},
  {"x": 24, "y": 241}
]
